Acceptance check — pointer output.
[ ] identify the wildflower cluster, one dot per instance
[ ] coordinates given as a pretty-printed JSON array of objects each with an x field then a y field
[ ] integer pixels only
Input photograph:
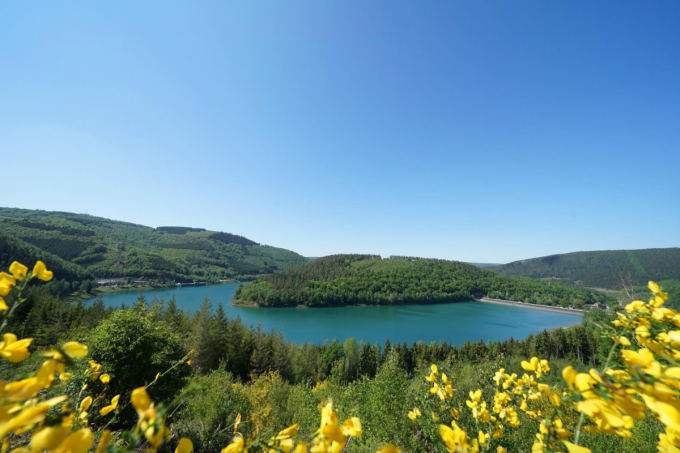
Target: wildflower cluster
[
  {"x": 23, "y": 408},
  {"x": 329, "y": 438},
  {"x": 647, "y": 335},
  {"x": 513, "y": 395},
  {"x": 31, "y": 422}
]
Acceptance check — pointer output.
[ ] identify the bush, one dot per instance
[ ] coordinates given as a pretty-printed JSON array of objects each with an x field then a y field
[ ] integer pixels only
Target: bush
[
  {"x": 209, "y": 410},
  {"x": 134, "y": 347}
]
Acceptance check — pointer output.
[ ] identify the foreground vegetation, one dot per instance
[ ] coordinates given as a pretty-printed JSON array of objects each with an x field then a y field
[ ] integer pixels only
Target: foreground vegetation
[
  {"x": 367, "y": 279},
  {"x": 82, "y": 247},
  {"x": 611, "y": 269},
  {"x": 140, "y": 386}
]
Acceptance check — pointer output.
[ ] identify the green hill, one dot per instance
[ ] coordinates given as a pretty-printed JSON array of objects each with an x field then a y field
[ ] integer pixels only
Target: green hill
[
  {"x": 602, "y": 269},
  {"x": 367, "y": 279},
  {"x": 81, "y": 247}
]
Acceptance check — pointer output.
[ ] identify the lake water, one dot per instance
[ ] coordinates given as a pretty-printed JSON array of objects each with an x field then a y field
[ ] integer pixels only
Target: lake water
[{"x": 454, "y": 323}]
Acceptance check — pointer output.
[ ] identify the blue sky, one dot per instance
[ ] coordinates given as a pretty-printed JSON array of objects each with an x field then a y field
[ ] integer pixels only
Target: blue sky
[{"x": 478, "y": 131}]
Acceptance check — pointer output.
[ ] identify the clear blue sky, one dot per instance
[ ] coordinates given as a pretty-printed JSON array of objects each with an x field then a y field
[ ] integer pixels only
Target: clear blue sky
[{"x": 479, "y": 131}]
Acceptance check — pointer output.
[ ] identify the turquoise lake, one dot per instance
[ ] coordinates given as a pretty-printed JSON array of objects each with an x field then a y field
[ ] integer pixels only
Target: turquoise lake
[{"x": 454, "y": 323}]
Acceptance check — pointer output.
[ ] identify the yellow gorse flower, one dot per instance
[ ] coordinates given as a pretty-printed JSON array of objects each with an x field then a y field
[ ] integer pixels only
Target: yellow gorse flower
[
  {"x": 40, "y": 271},
  {"x": 103, "y": 441},
  {"x": 184, "y": 446},
  {"x": 415, "y": 413},
  {"x": 237, "y": 422},
  {"x": 85, "y": 403},
  {"x": 389, "y": 449},
  {"x": 75, "y": 350},
  {"x": 111, "y": 407},
  {"x": 13, "y": 349},
  {"x": 236, "y": 446},
  {"x": 7, "y": 282},
  {"x": 18, "y": 270}
]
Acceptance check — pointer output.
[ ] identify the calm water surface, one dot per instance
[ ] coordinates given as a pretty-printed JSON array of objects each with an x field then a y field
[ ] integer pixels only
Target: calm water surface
[{"x": 454, "y": 323}]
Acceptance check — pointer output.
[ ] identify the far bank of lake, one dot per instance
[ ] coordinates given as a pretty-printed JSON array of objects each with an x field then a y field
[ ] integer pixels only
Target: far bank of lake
[{"x": 454, "y": 323}]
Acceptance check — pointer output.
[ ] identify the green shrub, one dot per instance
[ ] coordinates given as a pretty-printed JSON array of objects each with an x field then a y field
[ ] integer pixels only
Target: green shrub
[
  {"x": 133, "y": 348},
  {"x": 209, "y": 410}
]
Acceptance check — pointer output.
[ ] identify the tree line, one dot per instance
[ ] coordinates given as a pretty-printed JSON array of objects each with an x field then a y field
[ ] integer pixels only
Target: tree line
[{"x": 367, "y": 279}]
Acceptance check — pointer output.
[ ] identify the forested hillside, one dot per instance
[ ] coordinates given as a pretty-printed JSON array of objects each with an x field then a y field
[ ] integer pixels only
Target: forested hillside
[
  {"x": 604, "y": 269},
  {"x": 82, "y": 247},
  {"x": 367, "y": 279}
]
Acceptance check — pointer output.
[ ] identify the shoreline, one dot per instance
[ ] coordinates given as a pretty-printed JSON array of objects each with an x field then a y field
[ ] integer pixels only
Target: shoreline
[
  {"x": 566, "y": 311},
  {"x": 101, "y": 291}
]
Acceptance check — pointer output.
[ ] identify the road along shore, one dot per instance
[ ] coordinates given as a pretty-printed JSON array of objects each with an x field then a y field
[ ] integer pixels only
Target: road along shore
[{"x": 568, "y": 311}]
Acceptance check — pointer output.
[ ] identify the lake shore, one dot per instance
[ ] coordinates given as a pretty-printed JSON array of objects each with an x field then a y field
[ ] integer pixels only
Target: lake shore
[
  {"x": 404, "y": 323},
  {"x": 568, "y": 311},
  {"x": 103, "y": 290}
]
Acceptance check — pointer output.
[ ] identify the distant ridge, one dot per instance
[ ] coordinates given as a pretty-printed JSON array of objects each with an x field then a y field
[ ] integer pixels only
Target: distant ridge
[
  {"x": 82, "y": 247},
  {"x": 607, "y": 269}
]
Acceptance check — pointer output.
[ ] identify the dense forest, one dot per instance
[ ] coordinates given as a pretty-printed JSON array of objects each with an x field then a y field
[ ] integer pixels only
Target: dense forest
[
  {"x": 82, "y": 248},
  {"x": 368, "y": 279},
  {"x": 610, "y": 269}
]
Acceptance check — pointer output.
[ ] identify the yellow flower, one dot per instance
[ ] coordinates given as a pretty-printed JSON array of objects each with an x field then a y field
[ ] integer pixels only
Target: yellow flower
[
  {"x": 103, "y": 441},
  {"x": 642, "y": 358},
  {"x": 85, "y": 403},
  {"x": 454, "y": 413},
  {"x": 7, "y": 282},
  {"x": 435, "y": 417},
  {"x": 475, "y": 396},
  {"x": 501, "y": 450},
  {"x": 653, "y": 287},
  {"x": 389, "y": 448},
  {"x": 539, "y": 367},
  {"x": 301, "y": 447},
  {"x": 40, "y": 271},
  {"x": 3, "y": 305},
  {"x": 49, "y": 437},
  {"x": 288, "y": 432},
  {"x": 105, "y": 378},
  {"x": 554, "y": 399},
  {"x": 184, "y": 446},
  {"x": 111, "y": 407},
  {"x": 75, "y": 350},
  {"x": 18, "y": 270},
  {"x": 78, "y": 442},
  {"x": 624, "y": 341},
  {"x": 236, "y": 446},
  {"x": 140, "y": 400},
  {"x": 668, "y": 413},
  {"x": 237, "y": 422},
  {"x": 14, "y": 350},
  {"x": 415, "y": 413},
  {"x": 483, "y": 439},
  {"x": 455, "y": 439},
  {"x": 434, "y": 369},
  {"x": 575, "y": 448}
]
